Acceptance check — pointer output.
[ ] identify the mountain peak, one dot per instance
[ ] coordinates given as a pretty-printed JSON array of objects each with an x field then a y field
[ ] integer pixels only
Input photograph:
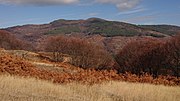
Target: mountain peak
[
  {"x": 58, "y": 21},
  {"x": 95, "y": 20}
]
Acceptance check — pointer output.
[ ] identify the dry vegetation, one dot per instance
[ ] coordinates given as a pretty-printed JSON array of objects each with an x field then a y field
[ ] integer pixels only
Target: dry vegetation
[
  {"x": 30, "y": 89},
  {"x": 66, "y": 73},
  {"x": 94, "y": 75}
]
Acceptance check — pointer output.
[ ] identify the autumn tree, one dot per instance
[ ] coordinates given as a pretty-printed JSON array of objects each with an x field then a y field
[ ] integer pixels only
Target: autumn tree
[
  {"x": 84, "y": 54},
  {"x": 142, "y": 56},
  {"x": 56, "y": 45},
  {"x": 154, "y": 60},
  {"x": 173, "y": 49}
]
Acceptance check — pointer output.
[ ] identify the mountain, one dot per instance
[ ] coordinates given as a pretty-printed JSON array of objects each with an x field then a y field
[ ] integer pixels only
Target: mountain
[
  {"x": 111, "y": 34},
  {"x": 165, "y": 29},
  {"x": 93, "y": 26}
]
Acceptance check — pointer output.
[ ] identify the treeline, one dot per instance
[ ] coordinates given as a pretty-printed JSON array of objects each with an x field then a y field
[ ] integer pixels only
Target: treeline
[{"x": 155, "y": 57}]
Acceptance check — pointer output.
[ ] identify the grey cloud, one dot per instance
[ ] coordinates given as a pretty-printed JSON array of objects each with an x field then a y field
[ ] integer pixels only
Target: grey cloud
[
  {"x": 38, "y": 2},
  {"x": 121, "y": 4},
  {"x": 132, "y": 11}
]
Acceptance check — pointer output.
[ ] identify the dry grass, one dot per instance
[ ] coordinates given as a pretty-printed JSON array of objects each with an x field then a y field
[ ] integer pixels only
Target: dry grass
[{"x": 14, "y": 88}]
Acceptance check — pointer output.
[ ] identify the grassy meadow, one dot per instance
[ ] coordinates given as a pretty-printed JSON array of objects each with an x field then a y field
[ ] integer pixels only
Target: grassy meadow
[{"x": 13, "y": 88}]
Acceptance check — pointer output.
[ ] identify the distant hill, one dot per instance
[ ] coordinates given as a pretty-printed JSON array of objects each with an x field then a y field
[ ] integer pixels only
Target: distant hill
[
  {"x": 93, "y": 26},
  {"x": 110, "y": 28},
  {"x": 111, "y": 34},
  {"x": 165, "y": 29}
]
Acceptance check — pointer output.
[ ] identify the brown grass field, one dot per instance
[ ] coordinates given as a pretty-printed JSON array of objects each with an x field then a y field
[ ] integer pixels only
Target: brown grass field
[{"x": 14, "y": 88}]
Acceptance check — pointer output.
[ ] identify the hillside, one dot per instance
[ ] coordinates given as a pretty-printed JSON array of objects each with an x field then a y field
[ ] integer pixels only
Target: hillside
[
  {"x": 29, "y": 64},
  {"x": 165, "y": 29},
  {"x": 112, "y": 35},
  {"x": 93, "y": 26},
  {"x": 26, "y": 75}
]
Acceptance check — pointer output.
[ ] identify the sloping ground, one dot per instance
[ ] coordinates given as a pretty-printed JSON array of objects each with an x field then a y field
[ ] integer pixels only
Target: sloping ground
[
  {"x": 13, "y": 88},
  {"x": 27, "y": 55},
  {"x": 66, "y": 73},
  {"x": 41, "y": 60},
  {"x": 110, "y": 34},
  {"x": 13, "y": 65}
]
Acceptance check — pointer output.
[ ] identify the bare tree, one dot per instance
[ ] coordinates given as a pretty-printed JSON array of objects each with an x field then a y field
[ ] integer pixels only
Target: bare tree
[{"x": 84, "y": 54}]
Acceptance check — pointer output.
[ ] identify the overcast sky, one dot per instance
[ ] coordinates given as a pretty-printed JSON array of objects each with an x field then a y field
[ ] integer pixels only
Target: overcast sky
[{"x": 19, "y": 12}]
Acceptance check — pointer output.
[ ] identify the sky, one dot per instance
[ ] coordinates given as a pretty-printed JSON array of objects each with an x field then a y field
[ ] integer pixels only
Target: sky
[{"x": 148, "y": 12}]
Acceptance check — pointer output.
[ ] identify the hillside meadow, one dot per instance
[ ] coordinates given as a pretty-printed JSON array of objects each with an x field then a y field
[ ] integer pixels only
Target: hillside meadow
[{"x": 14, "y": 88}]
